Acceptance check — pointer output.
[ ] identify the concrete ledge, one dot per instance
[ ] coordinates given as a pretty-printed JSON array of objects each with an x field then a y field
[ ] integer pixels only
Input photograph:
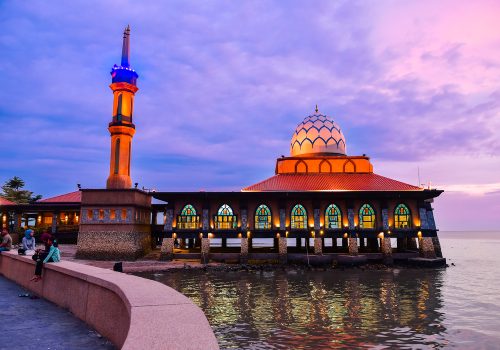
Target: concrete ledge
[
  {"x": 132, "y": 312},
  {"x": 426, "y": 262},
  {"x": 352, "y": 260}
]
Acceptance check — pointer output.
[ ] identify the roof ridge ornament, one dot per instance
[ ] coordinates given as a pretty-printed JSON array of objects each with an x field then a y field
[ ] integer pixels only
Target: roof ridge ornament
[{"x": 317, "y": 110}]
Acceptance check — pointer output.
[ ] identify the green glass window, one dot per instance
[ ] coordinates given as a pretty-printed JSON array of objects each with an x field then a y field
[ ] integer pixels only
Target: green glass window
[
  {"x": 333, "y": 218},
  {"x": 263, "y": 218},
  {"x": 366, "y": 216},
  {"x": 188, "y": 220},
  {"x": 299, "y": 217},
  {"x": 402, "y": 217},
  {"x": 225, "y": 220}
]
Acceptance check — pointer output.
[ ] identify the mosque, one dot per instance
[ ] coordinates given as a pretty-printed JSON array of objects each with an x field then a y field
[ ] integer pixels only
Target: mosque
[{"x": 321, "y": 204}]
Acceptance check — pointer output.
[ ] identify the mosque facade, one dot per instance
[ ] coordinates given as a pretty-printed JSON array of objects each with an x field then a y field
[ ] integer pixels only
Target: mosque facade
[{"x": 321, "y": 204}]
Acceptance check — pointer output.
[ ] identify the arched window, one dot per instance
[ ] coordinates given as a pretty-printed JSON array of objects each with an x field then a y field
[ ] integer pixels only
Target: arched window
[
  {"x": 333, "y": 218},
  {"x": 119, "y": 108},
  {"x": 188, "y": 220},
  {"x": 225, "y": 220},
  {"x": 117, "y": 155},
  {"x": 299, "y": 217},
  {"x": 366, "y": 216},
  {"x": 402, "y": 217},
  {"x": 263, "y": 218}
]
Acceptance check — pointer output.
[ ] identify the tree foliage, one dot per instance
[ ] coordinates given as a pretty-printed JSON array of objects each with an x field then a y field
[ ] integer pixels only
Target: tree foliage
[{"x": 13, "y": 190}]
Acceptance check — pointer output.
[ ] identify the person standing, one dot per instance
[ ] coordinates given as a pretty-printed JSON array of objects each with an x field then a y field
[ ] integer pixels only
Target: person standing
[{"x": 6, "y": 241}]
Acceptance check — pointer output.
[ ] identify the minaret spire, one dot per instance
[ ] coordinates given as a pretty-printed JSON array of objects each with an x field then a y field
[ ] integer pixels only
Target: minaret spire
[{"x": 126, "y": 47}]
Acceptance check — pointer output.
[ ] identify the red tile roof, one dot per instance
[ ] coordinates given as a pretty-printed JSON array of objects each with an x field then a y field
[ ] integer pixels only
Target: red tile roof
[
  {"x": 330, "y": 182},
  {"x": 72, "y": 197},
  {"x": 4, "y": 201}
]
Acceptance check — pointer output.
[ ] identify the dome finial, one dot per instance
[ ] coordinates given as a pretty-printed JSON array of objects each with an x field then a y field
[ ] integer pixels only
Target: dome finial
[{"x": 316, "y": 108}]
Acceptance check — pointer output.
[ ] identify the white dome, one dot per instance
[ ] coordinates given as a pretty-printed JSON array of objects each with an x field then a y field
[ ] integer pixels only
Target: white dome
[{"x": 317, "y": 133}]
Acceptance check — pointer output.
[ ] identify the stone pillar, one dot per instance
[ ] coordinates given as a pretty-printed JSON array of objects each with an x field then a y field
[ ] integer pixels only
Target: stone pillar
[
  {"x": 298, "y": 243},
  {"x": 426, "y": 248},
  {"x": 437, "y": 247},
  {"x": 353, "y": 246},
  {"x": 282, "y": 250},
  {"x": 224, "y": 242},
  {"x": 205, "y": 250},
  {"x": 244, "y": 251},
  {"x": 318, "y": 246},
  {"x": 167, "y": 249},
  {"x": 386, "y": 249},
  {"x": 54, "y": 223},
  {"x": 345, "y": 243}
]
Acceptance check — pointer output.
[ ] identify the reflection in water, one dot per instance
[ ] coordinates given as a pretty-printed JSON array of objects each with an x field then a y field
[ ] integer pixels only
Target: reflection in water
[{"x": 296, "y": 309}]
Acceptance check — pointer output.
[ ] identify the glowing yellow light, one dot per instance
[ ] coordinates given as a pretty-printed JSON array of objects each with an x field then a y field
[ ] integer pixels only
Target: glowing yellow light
[
  {"x": 239, "y": 235},
  {"x": 277, "y": 235},
  {"x": 381, "y": 235},
  {"x": 345, "y": 235},
  {"x": 174, "y": 235},
  {"x": 419, "y": 234}
]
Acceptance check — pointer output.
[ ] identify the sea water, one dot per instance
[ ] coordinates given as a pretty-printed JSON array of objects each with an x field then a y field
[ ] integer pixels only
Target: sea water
[{"x": 457, "y": 307}]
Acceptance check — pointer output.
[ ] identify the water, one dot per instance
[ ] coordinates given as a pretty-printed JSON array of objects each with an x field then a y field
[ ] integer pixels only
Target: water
[{"x": 457, "y": 307}]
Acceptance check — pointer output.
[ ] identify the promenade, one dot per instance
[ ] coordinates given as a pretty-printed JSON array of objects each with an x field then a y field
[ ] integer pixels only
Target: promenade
[{"x": 38, "y": 324}]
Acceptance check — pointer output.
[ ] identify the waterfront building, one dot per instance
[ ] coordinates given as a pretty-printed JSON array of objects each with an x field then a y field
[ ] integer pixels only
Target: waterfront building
[{"x": 320, "y": 201}]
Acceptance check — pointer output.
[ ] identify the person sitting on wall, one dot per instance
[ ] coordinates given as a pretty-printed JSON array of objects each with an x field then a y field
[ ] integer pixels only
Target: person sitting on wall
[
  {"x": 28, "y": 244},
  {"x": 45, "y": 238},
  {"x": 53, "y": 255},
  {"x": 6, "y": 241}
]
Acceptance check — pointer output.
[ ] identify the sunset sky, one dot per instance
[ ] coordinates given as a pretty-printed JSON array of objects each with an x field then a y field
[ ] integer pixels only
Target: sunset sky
[{"x": 413, "y": 84}]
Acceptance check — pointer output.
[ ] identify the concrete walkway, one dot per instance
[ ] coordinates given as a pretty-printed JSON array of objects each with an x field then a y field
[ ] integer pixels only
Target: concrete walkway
[{"x": 38, "y": 324}]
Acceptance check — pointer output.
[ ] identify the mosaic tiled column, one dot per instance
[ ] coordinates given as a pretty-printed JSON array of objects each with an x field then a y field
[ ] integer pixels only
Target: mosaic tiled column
[
  {"x": 244, "y": 219},
  {"x": 318, "y": 246},
  {"x": 426, "y": 248},
  {"x": 167, "y": 249},
  {"x": 353, "y": 246},
  {"x": 282, "y": 250},
  {"x": 244, "y": 250},
  {"x": 282, "y": 219},
  {"x": 54, "y": 223},
  {"x": 205, "y": 250}
]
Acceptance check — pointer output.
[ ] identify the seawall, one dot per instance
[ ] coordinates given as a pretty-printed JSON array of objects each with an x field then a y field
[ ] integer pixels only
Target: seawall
[{"x": 132, "y": 312}]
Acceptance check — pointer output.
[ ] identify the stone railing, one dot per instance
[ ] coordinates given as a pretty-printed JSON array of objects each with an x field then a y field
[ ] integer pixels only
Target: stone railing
[{"x": 132, "y": 312}]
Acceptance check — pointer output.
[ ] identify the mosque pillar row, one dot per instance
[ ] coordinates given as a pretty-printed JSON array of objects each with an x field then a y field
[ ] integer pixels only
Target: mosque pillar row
[
  {"x": 425, "y": 244},
  {"x": 318, "y": 240},
  {"x": 167, "y": 245},
  {"x": 244, "y": 237},
  {"x": 205, "y": 241},
  {"x": 352, "y": 242},
  {"x": 282, "y": 240}
]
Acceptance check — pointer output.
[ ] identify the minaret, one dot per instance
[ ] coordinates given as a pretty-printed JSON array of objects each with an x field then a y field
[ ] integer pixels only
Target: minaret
[{"x": 121, "y": 127}]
